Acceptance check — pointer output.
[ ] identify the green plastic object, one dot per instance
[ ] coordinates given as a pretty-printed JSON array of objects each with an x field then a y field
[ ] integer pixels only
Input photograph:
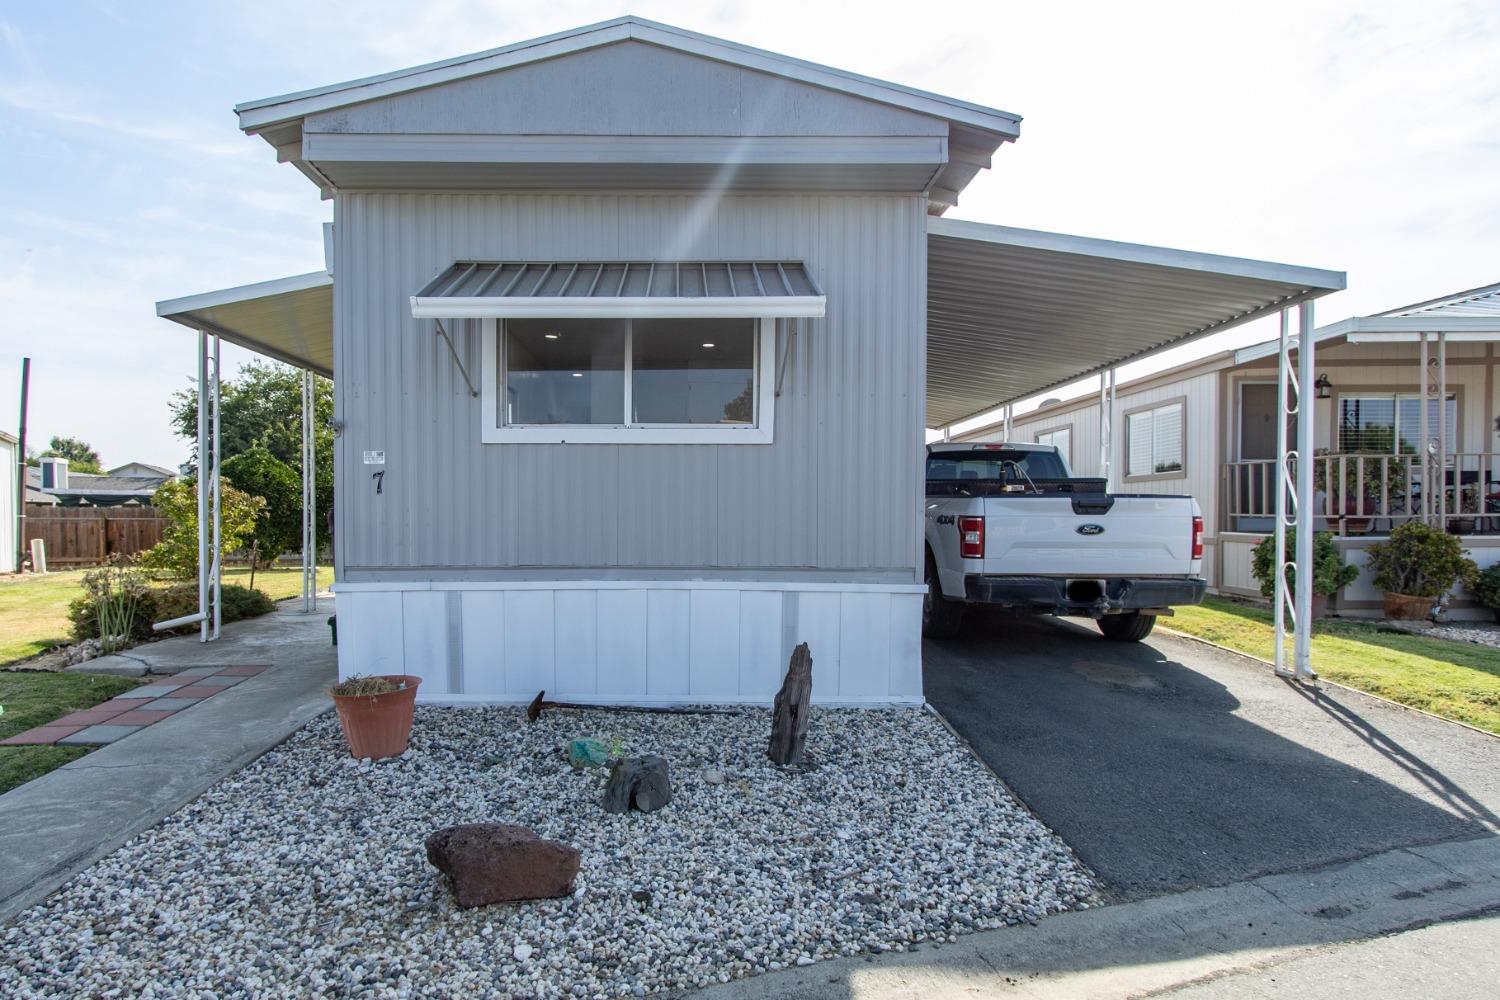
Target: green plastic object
[{"x": 587, "y": 753}]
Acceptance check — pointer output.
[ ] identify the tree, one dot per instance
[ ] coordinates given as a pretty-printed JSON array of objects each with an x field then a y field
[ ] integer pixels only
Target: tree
[
  {"x": 278, "y": 528},
  {"x": 81, "y": 457},
  {"x": 177, "y": 552},
  {"x": 262, "y": 408}
]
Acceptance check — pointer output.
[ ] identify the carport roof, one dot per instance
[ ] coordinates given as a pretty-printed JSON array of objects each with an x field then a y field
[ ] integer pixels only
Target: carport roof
[
  {"x": 1014, "y": 312},
  {"x": 289, "y": 319}
]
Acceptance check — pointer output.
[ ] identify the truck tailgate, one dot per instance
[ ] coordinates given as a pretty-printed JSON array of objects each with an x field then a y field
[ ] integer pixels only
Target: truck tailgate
[{"x": 1042, "y": 536}]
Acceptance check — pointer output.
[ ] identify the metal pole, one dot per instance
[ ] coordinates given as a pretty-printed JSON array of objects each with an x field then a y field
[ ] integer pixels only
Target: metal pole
[
  {"x": 203, "y": 485},
  {"x": 1422, "y": 437},
  {"x": 1284, "y": 409},
  {"x": 1306, "y": 417},
  {"x": 21, "y": 467},
  {"x": 309, "y": 498},
  {"x": 218, "y": 495},
  {"x": 1106, "y": 425},
  {"x": 1007, "y": 421},
  {"x": 1442, "y": 437}
]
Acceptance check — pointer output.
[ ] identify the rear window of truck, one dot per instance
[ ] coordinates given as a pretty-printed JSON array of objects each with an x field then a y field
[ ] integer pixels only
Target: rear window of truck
[{"x": 995, "y": 465}]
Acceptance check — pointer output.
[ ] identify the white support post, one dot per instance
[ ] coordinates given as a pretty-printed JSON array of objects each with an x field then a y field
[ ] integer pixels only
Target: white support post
[
  {"x": 1288, "y": 399},
  {"x": 217, "y": 500},
  {"x": 1106, "y": 426},
  {"x": 1425, "y": 458},
  {"x": 203, "y": 568},
  {"x": 309, "y": 497},
  {"x": 1008, "y": 409},
  {"x": 1444, "y": 507},
  {"x": 1306, "y": 522}
]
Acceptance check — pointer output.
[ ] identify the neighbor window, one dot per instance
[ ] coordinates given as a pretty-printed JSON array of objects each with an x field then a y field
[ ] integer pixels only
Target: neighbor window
[
  {"x": 1060, "y": 438},
  {"x": 643, "y": 381},
  {"x": 1154, "y": 440},
  {"x": 1391, "y": 423}
]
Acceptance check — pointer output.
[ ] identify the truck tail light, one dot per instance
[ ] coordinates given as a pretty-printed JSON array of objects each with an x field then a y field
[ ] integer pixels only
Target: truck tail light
[
  {"x": 1197, "y": 538},
  {"x": 971, "y": 537}
]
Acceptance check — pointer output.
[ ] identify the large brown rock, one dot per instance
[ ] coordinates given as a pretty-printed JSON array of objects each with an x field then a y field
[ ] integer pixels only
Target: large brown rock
[{"x": 497, "y": 863}]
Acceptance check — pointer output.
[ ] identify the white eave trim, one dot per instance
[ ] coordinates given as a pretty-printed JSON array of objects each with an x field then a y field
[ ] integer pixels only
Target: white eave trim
[
  {"x": 170, "y": 308},
  {"x": 255, "y": 115},
  {"x": 1389, "y": 330},
  {"x": 1138, "y": 253},
  {"x": 657, "y": 307}
]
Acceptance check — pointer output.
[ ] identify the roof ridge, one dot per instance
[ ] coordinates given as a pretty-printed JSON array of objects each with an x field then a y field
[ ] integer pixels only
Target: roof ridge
[{"x": 1453, "y": 298}]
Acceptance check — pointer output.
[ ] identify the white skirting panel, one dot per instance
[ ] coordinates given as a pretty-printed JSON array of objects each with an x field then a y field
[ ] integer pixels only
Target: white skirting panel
[{"x": 648, "y": 643}]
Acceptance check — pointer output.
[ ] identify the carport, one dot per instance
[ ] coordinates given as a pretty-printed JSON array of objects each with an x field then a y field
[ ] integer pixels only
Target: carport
[{"x": 1011, "y": 313}]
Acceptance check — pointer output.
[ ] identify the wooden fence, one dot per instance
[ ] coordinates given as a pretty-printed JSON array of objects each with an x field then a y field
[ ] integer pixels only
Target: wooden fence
[{"x": 87, "y": 536}]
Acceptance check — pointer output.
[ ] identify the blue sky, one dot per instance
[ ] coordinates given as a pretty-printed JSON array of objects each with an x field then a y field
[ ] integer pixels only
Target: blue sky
[{"x": 1363, "y": 137}]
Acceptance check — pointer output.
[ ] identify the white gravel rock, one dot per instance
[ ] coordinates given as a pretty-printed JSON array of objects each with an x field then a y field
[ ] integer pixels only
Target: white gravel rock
[{"x": 305, "y": 873}]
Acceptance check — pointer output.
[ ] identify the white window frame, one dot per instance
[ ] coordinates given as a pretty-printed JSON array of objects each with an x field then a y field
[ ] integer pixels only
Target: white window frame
[
  {"x": 1396, "y": 398},
  {"x": 1178, "y": 473},
  {"x": 760, "y": 431}
]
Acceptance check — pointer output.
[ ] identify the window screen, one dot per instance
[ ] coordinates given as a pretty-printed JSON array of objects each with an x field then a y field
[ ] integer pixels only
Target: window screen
[
  {"x": 1391, "y": 424},
  {"x": 1155, "y": 440}
]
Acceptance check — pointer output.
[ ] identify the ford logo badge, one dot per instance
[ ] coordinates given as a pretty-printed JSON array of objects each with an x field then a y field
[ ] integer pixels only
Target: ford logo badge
[{"x": 1090, "y": 529}]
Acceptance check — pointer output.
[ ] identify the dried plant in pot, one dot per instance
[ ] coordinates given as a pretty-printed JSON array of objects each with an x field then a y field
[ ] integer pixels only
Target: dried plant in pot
[
  {"x": 1416, "y": 566},
  {"x": 376, "y": 713}
]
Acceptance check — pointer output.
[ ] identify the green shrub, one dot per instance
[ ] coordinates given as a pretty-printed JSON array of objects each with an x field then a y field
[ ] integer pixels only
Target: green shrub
[
  {"x": 1487, "y": 587},
  {"x": 177, "y": 552},
  {"x": 1420, "y": 561},
  {"x": 159, "y": 604},
  {"x": 1330, "y": 573}
]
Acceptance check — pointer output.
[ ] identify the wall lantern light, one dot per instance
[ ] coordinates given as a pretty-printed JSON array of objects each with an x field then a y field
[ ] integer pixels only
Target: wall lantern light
[{"x": 1324, "y": 387}]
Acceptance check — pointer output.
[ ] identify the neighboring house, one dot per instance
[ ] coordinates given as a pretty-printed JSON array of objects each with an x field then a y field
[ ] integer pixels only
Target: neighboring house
[
  {"x": 1208, "y": 428},
  {"x": 143, "y": 470},
  {"x": 634, "y": 335},
  {"x": 53, "y": 480},
  {"x": 8, "y": 464}
]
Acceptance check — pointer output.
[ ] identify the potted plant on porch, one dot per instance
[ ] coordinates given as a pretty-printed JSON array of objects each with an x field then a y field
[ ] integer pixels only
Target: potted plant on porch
[
  {"x": 1330, "y": 573},
  {"x": 1416, "y": 566},
  {"x": 376, "y": 713}
]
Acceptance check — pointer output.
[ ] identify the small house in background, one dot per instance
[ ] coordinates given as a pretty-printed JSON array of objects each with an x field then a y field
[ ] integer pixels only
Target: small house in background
[
  {"x": 134, "y": 483},
  {"x": 8, "y": 525},
  {"x": 1208, "y": 428}
]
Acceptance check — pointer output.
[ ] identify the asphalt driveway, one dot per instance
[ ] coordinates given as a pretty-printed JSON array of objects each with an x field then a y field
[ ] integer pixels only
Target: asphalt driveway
[{"x": 1169, "y": 765}]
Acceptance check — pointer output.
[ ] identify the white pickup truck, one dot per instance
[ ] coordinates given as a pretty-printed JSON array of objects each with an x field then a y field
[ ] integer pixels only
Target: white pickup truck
[{"x": 1007, "y": 525}]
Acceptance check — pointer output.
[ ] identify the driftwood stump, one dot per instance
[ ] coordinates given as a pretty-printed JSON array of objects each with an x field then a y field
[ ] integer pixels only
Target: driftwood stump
[
  {"x": 790, "y": 715},
  {"x": 642, "y": 783}
]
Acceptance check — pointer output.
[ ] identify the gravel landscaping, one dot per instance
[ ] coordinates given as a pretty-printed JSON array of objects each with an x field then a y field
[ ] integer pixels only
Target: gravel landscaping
[{"x": 305, "y": 874}]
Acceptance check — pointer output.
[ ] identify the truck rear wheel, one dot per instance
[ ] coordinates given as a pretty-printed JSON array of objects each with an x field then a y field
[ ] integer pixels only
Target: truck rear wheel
[
  {"x": 941, "y": 618},
  {"x": 1132, "y": 626}
]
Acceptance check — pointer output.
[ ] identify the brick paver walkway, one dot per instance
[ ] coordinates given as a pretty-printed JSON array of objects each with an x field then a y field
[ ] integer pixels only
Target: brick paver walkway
[{"x": 135, "y": 709}]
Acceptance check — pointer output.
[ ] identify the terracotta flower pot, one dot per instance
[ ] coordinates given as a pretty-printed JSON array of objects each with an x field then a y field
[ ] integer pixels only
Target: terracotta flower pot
[
  {"x": 378, "y": 725},
  {"x": 1405, "y": 608}
]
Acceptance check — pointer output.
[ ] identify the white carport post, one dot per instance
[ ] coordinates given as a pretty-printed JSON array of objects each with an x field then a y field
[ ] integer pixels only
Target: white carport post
[
  {"x": 210, "y": 514},
  {"x": 1106, "y": 425},
  {"x": 309, "y": 498},
  {"x": 1294, "y": 500}
]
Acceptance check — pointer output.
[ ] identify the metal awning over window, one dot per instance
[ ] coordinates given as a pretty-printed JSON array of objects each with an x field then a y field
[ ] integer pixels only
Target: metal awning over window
[{"x": 575, "y": 290}]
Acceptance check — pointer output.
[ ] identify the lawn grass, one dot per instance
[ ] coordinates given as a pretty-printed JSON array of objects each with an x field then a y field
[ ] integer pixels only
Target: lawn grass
[
  {"x": 1456, "y": 680},
  {"x": 34, "y": 609},
  {"x": 32, "y": 698}
]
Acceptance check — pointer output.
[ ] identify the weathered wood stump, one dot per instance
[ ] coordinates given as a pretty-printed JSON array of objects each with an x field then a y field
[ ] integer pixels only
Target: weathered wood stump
[
  {"x": 790, "y": 715},
  {"x": 642, "y": 783}
]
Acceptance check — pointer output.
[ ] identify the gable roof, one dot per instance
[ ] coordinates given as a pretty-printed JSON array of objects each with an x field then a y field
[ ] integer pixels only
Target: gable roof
[
  {"x": 1483, "y": 301},
  {"x": 260, "y": 114}
]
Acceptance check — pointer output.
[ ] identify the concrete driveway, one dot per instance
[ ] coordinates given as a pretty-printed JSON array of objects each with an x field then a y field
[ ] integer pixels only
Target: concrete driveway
[{"x": 1169, "y": 765}]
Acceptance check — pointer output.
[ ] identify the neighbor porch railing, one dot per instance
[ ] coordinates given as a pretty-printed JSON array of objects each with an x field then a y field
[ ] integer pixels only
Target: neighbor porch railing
[{"x": 1371, "y": 494}]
